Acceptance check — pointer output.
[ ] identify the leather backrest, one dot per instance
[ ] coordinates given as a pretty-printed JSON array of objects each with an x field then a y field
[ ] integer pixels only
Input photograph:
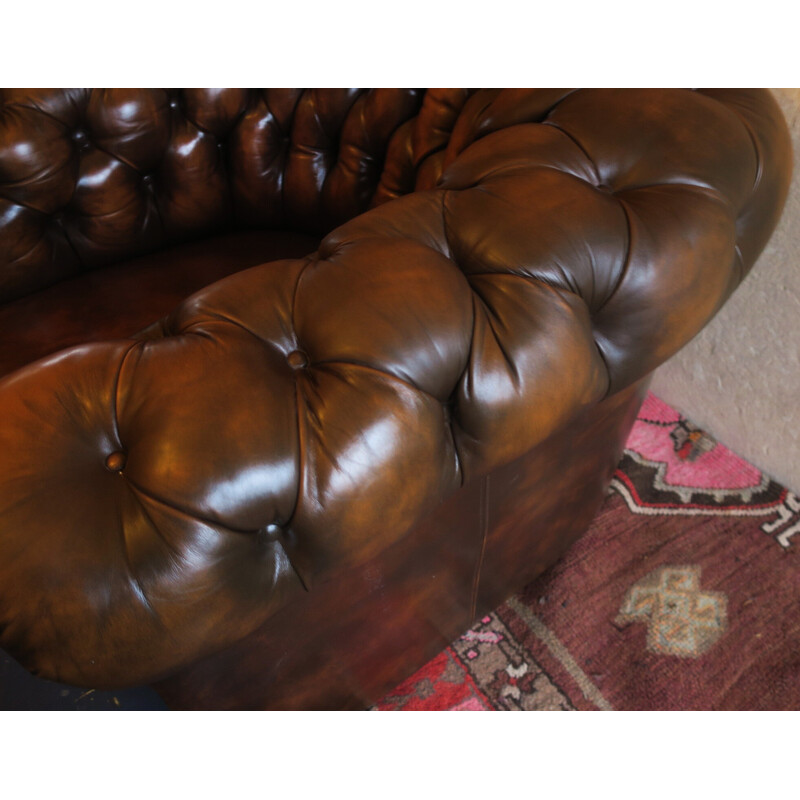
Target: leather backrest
[{"x": 92, "y": 176}]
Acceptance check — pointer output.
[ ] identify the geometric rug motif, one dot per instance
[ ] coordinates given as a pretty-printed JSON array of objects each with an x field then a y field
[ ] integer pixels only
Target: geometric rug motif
[
  {"x": 672, "y": 467},
  {"x": 681, "y": 619},
  {"x": 484, "y": 669},
  {"x": 515, "y": 681}
]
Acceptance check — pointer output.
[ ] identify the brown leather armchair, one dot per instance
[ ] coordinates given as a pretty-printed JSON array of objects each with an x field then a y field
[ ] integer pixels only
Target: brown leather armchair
[{"x": 403, "y": 403}]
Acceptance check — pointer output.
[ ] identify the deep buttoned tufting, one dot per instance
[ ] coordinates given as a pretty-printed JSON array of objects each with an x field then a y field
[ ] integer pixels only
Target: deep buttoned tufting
[
  {"x": 88, "y": 177},
  {"x": 542, "y": 250}
]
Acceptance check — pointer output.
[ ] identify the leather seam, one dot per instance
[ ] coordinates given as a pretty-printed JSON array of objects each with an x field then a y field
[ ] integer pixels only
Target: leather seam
[
  {"x": 134, "y": 581},
  {"x": 305, "y": 266},
  {"x": 605, "y": 365},
  {"x": 758, "y": 155},
  {"x": 445, "y": 227},
  {"x": 211, "y": 523},
  {"x": 134, "y": 492},
  {"x": 450, "y": 424},
  {"x": 296, "y": 571},
  {"x": 491, "y": 317},
  {"x": 577, "y": 144},
  {"x": 115, "y": 394},
  {"x": 298, "y": 399},
  {"x": 72, "y": 247},
  {"x": 212, "y": 317},
  {"x": 625, "y": 264},
  {"x": 38, "y": 110},
  {"x": 369, "y": 368},
  {"x": 484, "y": 525}
]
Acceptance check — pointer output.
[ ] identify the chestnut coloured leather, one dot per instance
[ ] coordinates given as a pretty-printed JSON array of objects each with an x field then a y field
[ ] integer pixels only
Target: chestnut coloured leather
[{"x": 493, "y": 267}]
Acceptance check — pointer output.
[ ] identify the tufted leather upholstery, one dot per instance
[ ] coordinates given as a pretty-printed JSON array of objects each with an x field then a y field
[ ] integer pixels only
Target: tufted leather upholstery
[
  {"x": 544, "y": 249},
  {"x": 88, "y": 177}
]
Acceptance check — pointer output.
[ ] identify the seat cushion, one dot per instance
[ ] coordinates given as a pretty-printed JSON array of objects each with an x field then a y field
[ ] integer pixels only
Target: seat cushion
[{"x": 118, "y": 301}]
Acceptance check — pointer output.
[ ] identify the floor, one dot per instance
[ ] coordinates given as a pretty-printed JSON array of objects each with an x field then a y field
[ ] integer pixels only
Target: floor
[{"x": 20, "y": 691}]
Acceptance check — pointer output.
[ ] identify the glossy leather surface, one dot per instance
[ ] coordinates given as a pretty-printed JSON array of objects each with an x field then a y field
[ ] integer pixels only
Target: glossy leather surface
[
  {"x": 546, "y": 249},
  {"x": 92, "y": 176},
  {"x": 362, "y": 631}
]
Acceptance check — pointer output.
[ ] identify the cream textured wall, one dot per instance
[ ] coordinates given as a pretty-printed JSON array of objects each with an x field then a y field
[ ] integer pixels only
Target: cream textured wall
[{"x": 740, "y": 377}]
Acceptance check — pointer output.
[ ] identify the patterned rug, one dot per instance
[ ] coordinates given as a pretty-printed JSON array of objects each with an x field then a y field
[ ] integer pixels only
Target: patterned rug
[{"x": 684, "y": 594}]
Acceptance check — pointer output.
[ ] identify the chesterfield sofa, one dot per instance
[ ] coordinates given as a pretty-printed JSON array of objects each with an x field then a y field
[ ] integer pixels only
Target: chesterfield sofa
[{"x": 298, "y": 383}]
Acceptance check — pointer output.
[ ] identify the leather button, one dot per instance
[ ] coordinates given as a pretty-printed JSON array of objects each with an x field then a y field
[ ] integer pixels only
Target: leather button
[
  {"x": 270, "y": 533},
  {"x": 80, "y": 139},
  {"x": 297, "y": 359},
  {"x": 115, "y": 462}
]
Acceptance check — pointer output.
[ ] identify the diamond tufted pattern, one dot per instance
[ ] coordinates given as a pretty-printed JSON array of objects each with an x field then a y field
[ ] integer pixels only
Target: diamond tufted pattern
[
  {"x": 542, "y": 250},
  {"x": 88, "y": 177}
]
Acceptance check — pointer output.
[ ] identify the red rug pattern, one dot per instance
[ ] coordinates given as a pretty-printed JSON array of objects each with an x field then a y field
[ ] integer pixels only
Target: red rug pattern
[{"x": 684, "y": 594}]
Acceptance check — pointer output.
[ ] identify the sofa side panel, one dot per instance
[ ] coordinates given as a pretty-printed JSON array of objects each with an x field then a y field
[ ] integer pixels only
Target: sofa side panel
[
  {"x": 543, "y": 502},
  {"x": 365, "y": 629},
  {"x": 359, "y": 633}
]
